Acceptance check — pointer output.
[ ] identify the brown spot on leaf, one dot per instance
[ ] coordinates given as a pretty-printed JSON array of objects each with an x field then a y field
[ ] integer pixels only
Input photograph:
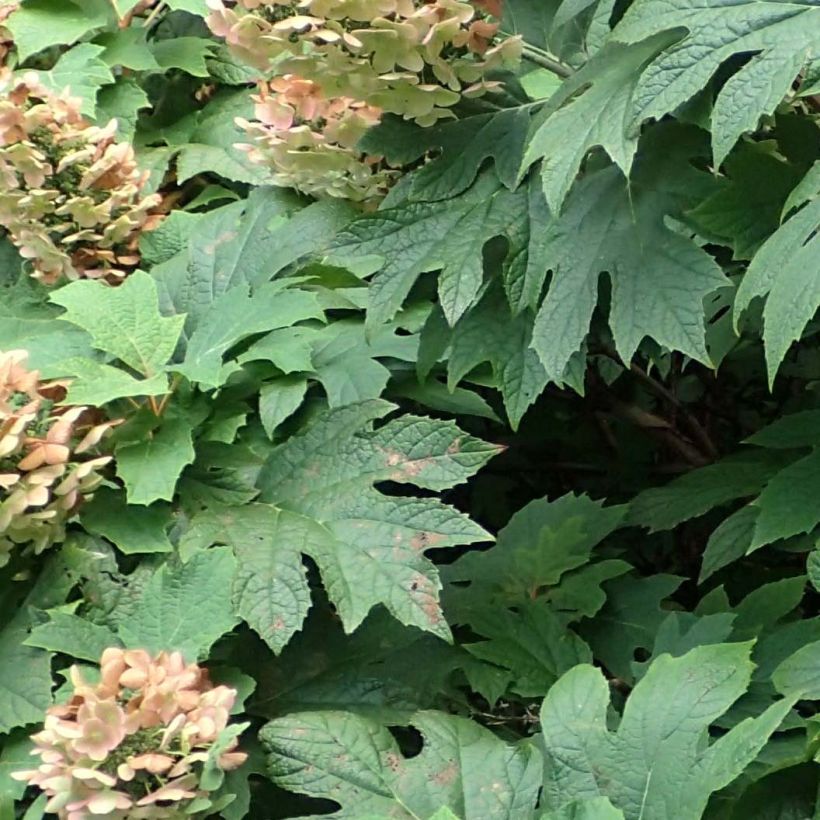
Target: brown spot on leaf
[
  {"x": 425, "y": 594},
  {"x": 447, "y": 775},
  {"x": 425, "y": 540},
  {"x": 393, "y": 761},
  {"x": 210, "y": 248},
  {"x": 455, "y": 447},
  {"x": 405, "y": 467}
]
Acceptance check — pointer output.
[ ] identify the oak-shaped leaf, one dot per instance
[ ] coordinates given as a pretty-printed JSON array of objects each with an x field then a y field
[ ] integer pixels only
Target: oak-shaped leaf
[
  {"x": 784, "y": 271},
  {"x": 659, "y": 277},
  {"x": 780, "y": 37},
  {"x": 407, "y": 239},
  {"x": 659, "y": 762},
  {"x": 319, "y": 500},
  {"x": 181, "y": 606},
  {"x": 357, "y": 763},
  {"x": 594, "y": 105}
]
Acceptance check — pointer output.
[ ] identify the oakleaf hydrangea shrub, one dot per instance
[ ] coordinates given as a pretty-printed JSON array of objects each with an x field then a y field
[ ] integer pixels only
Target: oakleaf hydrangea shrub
[
  {"x": 137, "y": 744},
  {"x": 70, "y": 195},
  {"x": 344, "y": 64},
  {"x": 47, "y": 468}
]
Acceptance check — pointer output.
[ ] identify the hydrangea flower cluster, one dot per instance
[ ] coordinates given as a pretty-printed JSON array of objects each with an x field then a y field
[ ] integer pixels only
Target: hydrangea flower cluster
[
  {"x": 70, "y": 195},
  {"x": 414, "y": 58},
  {"x": 310, "y": 140},
  {"x": 363, "y": 58},
  {"x": 136, "y": 744},
  {"x": 44, "y": 476}
]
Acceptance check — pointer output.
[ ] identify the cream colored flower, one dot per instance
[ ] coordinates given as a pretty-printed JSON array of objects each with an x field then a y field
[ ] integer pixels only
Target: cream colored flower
[
  {"x": 310, "y": 142},
  {"x": 43, "y": 476},
  {"x": 72, "y": 198},
  {"x": 413, "y": 58},
  {"x": 104, "y": 756}
]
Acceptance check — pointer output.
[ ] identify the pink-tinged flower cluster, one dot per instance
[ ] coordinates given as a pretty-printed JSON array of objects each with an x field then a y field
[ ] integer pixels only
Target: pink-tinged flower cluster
[
  {"x": 70, "y": 195},
  {"x": 45, "y": 471},
  {"x": 135, "y": 745},
  {"x": 340, "y": 65},
  {"x": 414, "y": 58},
  {"x": 310, "y": 141}
]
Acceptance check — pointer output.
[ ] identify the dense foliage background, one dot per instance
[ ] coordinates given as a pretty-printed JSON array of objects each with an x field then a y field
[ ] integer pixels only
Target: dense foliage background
[{"x": 465, "y": 421}]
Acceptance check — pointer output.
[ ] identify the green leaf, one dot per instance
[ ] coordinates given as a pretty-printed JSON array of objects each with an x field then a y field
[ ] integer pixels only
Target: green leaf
[
  {"x": 185, "y": 53},
  {"x": 658, "y": 762},
  {"x": 594, "y": 106},
  {"x": 357, "y": 763},
  {"x": 679, "y": 632},
  {"x": 15, "y": 756},
  {"x": 270, "y": 590},
  {"x": 230, "y": 246},
  {"x": 197, "y": 7},
  {"x": 785, "y": 271},
  {"x": 211, "y": 146},
  {"x": 465, "y": 145},
  {"x": 25, "y": 677},
  {"x": 383, "y": 670},
  {"x": 787, "y": 502},
  {"x": 122, "y": 101},
  {"x": 130, "y": 528},
  {"x": 280, "y": 399},
  {"x": 659, "y": 277},
  {"x": 437, "y": 396},
  {"x": 184, "y": 607},
  {"x": 629, "y": 620},
  {"x": 731, "y": 540},
  {"x": 127, "y": 47},
  {"x": 151, "y": 468},
  {"x": 414, "y": 238},
  {"x": 766, "y": 605},
  {"x": 290, "y": 349},
  {"x": 48, "y": 341},
  {"x": 490, "y": 333},
  {"x": 375, "y": 549},
  {"x": 124, "y": 321},
  {"x": 532, "y": 642},
  {"x": 738, "y": 476},
  {"x": 780, "y": 38},
  {"x": 799, "y": 675},
  {"x": 595, "y": 808},
  {"x": 791, "y": 431},
  {"x": 345, "y": 359},
  {"x": 543, "y": 541},
  {"x": 234, "y": 316},
  {"x": 96, "y": 383},
  {"x": 82, "y": 71},
  {"x": 746, "y": 212},
  {"x": 40, "y": 24},
  {"x": 74, "y": 636},
  {"x": 807, "y": 189}
]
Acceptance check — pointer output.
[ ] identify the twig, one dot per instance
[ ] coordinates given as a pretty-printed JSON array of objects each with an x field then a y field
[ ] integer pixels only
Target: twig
[
  {"x": 699, "y": 434},
  {"x": 545, "y": 60},
  {"x": 154, "y": 14},
  {"x": 662, "y": 430},
  {"x": 166, "y": 398}
]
